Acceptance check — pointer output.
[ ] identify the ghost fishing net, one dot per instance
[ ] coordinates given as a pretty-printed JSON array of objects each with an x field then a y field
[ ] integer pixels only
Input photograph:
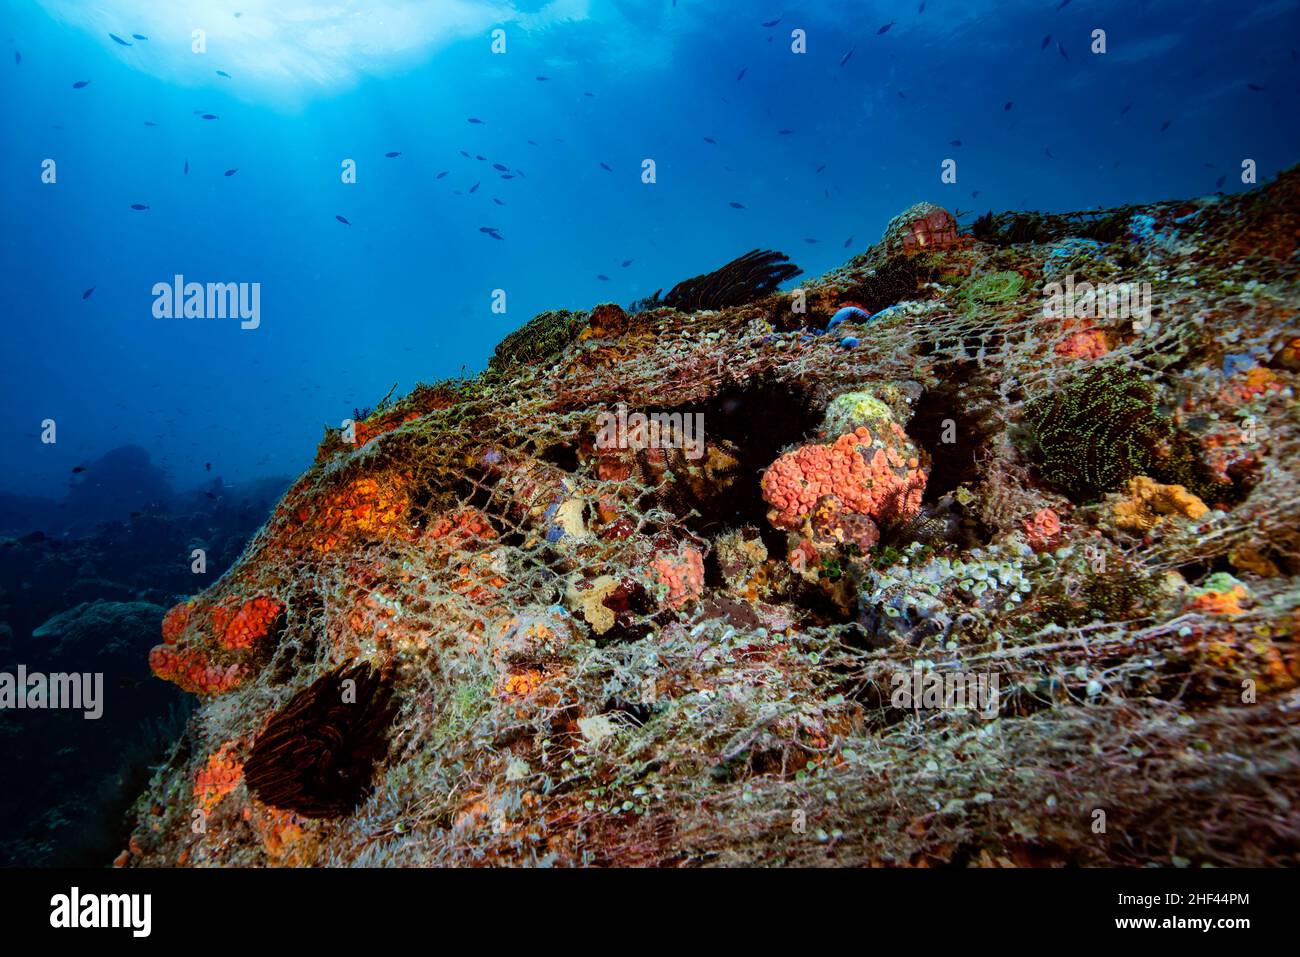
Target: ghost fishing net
[{"x": 494, "y": 625}]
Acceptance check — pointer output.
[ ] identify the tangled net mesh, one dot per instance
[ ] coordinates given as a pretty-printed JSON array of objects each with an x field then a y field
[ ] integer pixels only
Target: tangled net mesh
[{"x": 607, "y": 657}]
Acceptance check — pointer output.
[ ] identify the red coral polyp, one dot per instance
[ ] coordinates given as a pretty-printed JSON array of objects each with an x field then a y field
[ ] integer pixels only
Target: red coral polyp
[
  {"x": 681, "y": 574},
  {"x": 877, "y": 476},
  {"x": 191, "y": 670},
  {"x": 218, "y": 777},
  {"x": 242, "y": 628},
  {"x": 176, "y": 621}
]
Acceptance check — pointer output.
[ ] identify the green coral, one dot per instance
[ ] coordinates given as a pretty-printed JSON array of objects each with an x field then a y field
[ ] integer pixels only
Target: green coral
[
  {"x": 1099, "y": 431},
  {"x": 848, "y": 412},
  {"x": 540, "y": 338},
  {"x": 991, "y": 288}
]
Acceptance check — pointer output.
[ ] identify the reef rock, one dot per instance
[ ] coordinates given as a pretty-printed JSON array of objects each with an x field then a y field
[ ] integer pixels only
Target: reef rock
[{"x": 564, "y": 649}]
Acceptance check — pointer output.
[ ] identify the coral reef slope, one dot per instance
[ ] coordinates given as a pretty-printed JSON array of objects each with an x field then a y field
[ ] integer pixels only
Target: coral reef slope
[{"x": 980, "y": 549}]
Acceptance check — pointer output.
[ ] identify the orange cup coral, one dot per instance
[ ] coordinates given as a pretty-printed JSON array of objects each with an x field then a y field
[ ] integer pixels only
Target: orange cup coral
[{"x": 876, "y": 475}]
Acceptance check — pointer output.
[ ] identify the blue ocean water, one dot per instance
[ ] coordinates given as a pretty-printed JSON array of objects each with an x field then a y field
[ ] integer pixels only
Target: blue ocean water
[{"x": 754, "y": 144}]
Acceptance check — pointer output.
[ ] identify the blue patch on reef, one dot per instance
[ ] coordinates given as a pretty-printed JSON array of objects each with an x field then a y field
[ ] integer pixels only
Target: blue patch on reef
[
  {"x": 846, "y": 314},
  {"x": 1142, "y": 227},
  {"x": 1073, "y": 251},
  {"x": 1235, "y": 362}
]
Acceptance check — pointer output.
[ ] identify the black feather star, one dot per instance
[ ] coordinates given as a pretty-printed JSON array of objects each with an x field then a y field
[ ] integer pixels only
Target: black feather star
[
  {"x": 317, "y": 754},
  {"x": 754, "y": 275}
]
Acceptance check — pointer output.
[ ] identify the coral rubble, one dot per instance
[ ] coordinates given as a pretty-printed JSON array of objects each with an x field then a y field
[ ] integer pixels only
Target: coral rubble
[{"x": 950, "y": 573}]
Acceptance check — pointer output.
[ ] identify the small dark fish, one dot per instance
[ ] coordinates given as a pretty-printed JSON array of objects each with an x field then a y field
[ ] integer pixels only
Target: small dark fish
[
  {"x": 1254, "y": 86},
  {"x": 86, "y": 294},
  {"x": 810, "y": 240},
  {"x": 848, "y": 242},
  {"x": 343, "y": 221},
  {"x": 606, "y": 167},
  {"x": 138, "y": 36},
  {"x": 139, "y": 206},
  {"x": 464, "y": 154},
  {"x": 211, "y": 116},
  {"x": 150, "y": 123},
  {"x": 819, "y": 169},
  {"x": 902, "y": 95},
  {"x": 848, "y": 56},
  {"x": 1127, "y": 107},
  {"x": 441, "y": 175},
  {"x": 954, "y": 142},
  {"x": 211, "y": 496},
  {"x": 602, "y": 276},
  {"x": 79, "y": 84},
  {"x": 475, "y": 120},
  {"x": 885, "y": 29},
  {"x": 1063, "y": 4},
  {"x": 735, "y": 205},
  {"x": 187, "y": 168},
  {"x": 532, "y": 142},
  {"x": 474, "y": 188},
  {"x": 119, "y": 39},
  {"x": 1008, "y": 106},
  {"x": 1060, "y": 49},
  {"x": 1049, "y": 153},
  {"x": 1046, "y": 40},
  {"x": 710, "y": 139},
  {"x": 223, "y": 73},
  {"x": 772, "y": 23},
  {"x": 741, "y": 74},
  {"x": 77, "y": 470},
  {"x": 507, "y": 176},
  {"x": 592, "y": 95},
  {"x": 784, "y": 132},
  {"x": 491, "y": 231},
  {"x": 393, "y": 154},
  {"x": 625, "y": 263},
  {"x": 542, "y": 79},
  {"x": 497, "y": 201},
  {"x": 481, "y": 158},
  {"x": 975, "y": 194},
  {"x": 921, "y": 8},
  {"x": 1217, "y": 185},
  {"x": 500, "y": 167},
  {"x": 1165, "y": 125},
  {"x": 230, "y": 172}
]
